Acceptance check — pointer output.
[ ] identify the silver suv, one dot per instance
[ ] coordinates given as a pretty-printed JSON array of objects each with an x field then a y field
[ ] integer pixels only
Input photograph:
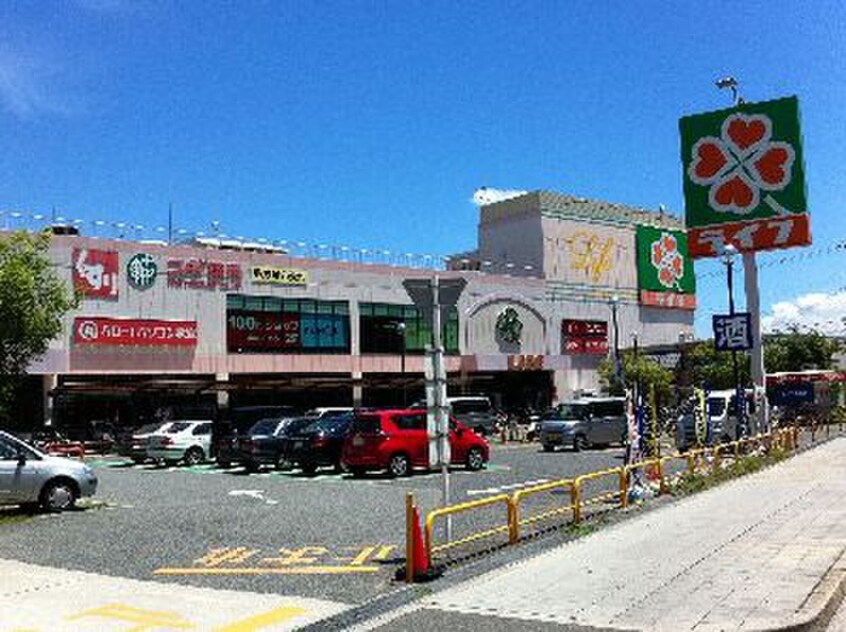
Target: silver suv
[
  {"x": 584, "y": 423},
  {"x": 28, "y": 477}
]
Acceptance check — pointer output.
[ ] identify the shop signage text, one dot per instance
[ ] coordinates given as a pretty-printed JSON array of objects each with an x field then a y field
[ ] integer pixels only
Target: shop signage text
[
  {"x": 525, "y": 363},
  {"x": 278, "y": 276},
  {"x": 135, "y": 332},
  {"x": 584, "y": 336},
  {"x": 199, "y": 274},
  {"x": 95, "y": 273},
  {"x": 744, "y": 180}
]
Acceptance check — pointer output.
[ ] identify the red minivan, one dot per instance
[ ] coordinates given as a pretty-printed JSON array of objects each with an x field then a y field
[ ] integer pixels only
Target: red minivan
[{"x": 396, "y": 441}]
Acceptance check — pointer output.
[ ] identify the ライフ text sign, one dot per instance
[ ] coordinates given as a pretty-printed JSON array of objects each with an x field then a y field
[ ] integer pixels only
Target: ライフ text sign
[{"x": 744, "y": 179}]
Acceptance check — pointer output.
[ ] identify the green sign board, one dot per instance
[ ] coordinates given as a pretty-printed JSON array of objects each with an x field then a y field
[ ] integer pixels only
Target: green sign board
[
  {"x": 744, "y": 181},
  {"x": 664, "y": 269}
]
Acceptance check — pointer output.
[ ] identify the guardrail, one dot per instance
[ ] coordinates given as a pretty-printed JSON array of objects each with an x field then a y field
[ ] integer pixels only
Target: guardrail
[{"x": 656, "y": 470}]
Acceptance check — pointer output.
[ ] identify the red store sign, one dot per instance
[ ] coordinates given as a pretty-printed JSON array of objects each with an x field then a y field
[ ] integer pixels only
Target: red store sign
[
  {"x": 198, "y": 274},
  {"x": 122, "y": 331},
  {"x": 584, "y": 336},
  {"x": 262, "y": 330},
  {"x": 95, "y": 273}
]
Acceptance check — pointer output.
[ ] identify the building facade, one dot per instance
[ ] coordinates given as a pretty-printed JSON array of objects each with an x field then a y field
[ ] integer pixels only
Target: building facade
[{"x": 192, "y": 326}]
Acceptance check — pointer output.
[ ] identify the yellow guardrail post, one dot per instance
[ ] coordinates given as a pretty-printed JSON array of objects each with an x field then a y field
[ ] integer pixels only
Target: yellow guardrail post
[
  {"x": 715, "y": 464},
  {"x": 663, "y": 488},
  {"x": 691, "y": 462},
  {"x": 513, "y": 521},
  {"x": 624, "y": 486},
  {"x": 827, "y": 430},
  {"x": 576, "y": 500},
  {"x": 409, "y": 538}
]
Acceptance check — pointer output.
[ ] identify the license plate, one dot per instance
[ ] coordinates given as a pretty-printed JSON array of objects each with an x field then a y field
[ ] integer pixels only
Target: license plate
[
  {"x": 554, "y": 435},
  {"x": 298, "y": 444},
  {"x": 358, "y": 441}
]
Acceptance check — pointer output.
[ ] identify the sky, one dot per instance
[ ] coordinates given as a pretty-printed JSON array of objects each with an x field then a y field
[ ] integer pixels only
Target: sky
[{"x": 370, "y": 124}]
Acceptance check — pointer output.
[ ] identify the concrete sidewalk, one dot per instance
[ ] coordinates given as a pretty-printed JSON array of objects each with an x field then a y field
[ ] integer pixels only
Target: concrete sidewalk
[{"x": 763, "y": 552}]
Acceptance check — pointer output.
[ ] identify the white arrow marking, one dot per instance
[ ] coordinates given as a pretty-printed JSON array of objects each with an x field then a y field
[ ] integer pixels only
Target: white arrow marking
[{"x": 252, "y": 493}]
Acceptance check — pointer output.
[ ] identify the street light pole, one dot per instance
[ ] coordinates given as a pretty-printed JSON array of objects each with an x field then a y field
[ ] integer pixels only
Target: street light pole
[
  {"x": 401, "y": 330},
  {"x": 618, "y": 367},
  {"x": 729, "y": 251}
]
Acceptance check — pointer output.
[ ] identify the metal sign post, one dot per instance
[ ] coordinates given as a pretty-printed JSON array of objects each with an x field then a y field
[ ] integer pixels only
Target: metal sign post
[{"x": 432, "y": 296}]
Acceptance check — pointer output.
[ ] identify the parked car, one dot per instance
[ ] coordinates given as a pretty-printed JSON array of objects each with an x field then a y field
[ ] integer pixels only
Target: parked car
[
  {"x": 585, "y": 423},
  {"x": 134, "y": 443},
  {"x": 318, "y": 444},
  {"x": 187, "y": 441},
  {"x": 397, "y": 441},
  {"x": 320, "y": 413},
  {"x": 474, "y": 411},
  {"x": 227, "y": 433},
  {"x": 263, "y": 443},
  {"x": 51, "y": 441},
  {"x": 722, "y": 414},
  {"x": 28, "y": 476}
]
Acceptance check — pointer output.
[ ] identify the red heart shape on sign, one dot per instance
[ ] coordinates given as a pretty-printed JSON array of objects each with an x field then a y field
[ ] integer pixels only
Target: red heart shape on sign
[
  {"x": 771, "y": 166},
  {"x": 669, "y": 243},
  {"x": 710, "y": 159},
  {"x": 746, "y": 132},
  {"x": 735, "y": 192}
]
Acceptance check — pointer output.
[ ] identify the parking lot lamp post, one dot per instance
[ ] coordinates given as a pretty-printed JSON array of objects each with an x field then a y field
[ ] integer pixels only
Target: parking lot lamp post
[
  {"x": 618, "y": 367},
  {"x": 401, "y": 330},
  {"x": 729, "y": 251}
]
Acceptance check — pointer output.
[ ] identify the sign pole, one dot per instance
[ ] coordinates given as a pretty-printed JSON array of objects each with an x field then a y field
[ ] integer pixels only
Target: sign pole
[
  {"x": 753, "y": 306},
  {"x": 440, "y": 403}
]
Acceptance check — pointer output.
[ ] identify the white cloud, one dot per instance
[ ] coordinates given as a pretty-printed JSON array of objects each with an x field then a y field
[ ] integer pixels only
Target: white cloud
[
  {"x": 28, "y": 86},
  {"x": 825, "y": 313},
  {"x": 488, "y": 195}
]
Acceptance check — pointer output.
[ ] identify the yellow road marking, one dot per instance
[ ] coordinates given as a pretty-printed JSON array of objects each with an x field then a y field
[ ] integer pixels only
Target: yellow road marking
[
  {"x": 149, "y": 619},
  {"x": 361, "y": 558},
  {"x": 289, "y": 570},
  {"x": 384, "y": 552},
  {"x": 261, "y": 620},
  {"x": 232, "y": 555}
]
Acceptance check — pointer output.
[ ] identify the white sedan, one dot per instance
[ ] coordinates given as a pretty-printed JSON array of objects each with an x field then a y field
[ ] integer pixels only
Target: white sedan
[{"x": 186, "y": 441}]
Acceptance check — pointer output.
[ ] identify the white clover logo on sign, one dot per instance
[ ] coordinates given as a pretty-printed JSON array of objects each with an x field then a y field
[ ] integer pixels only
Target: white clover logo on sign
[
  {"x": 667, "y": 260},
  {"x": 741, "y": 163}
]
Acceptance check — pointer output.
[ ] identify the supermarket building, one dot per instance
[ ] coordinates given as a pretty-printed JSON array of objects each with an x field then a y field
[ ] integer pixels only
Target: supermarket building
[{"x": 194, "y": 326}]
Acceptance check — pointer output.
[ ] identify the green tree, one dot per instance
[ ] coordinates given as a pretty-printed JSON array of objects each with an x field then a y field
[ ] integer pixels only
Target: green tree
[
  {"x": 33, "y": 299},
  {"x": 706, "y": 365},
  {"x": 796, "y": 351},
  {"x": 641, "y": 369}
]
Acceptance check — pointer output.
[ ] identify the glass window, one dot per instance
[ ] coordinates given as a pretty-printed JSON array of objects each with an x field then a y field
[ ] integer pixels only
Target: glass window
[
  {"x": 8, "y": 451},
  {"x": 291, "y": 326},
  {"x": 381, "y": 331},
  {"x": 410, "y": 422}
]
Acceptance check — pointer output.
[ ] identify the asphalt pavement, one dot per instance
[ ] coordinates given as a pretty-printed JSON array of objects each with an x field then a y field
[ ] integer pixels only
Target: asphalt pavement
[{"x": 329, "y": 537}]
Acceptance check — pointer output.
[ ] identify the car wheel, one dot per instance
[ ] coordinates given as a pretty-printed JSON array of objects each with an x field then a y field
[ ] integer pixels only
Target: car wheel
[
  {"x": 58, "y": 496},
  {"x": 194, "y": 456},
  {"x": 475, "y": 460},
  {"x": 398, "y": 466},
  {"x": 548, "y": 447},
  {"x": 282, "y": 463},
  {"x": 251, "y": 467},
  {"x": 580, "y": 442},
  {"x": 308, "y": 468}
]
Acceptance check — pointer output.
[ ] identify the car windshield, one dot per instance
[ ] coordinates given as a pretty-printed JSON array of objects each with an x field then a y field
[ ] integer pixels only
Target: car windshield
[
  {"x": 571, "y": 411},
  {"x": 329, "y": 426},
  {"x": 264, "y": 427},
  {"x": 148, "y": 428},
  {"x": 177, "y": 426},
  {"x": 716, "y": 406}
]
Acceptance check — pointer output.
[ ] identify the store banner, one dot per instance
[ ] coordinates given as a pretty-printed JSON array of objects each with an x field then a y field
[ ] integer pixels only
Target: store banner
[
  {"x": 199, "y": 274},
  {"x": 95, "y": 273},
  {"x": 134, "y": 332},
  {"x": 664, "y": 269},
  {"x": 744, "y": 179},
  {"x": 278, "y": 276},
  {"x": 262, "y": 331},
  {"x": 584, "y": 336}
]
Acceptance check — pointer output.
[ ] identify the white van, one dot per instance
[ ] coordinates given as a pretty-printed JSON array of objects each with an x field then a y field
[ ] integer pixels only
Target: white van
[{"x": 721, "y": 406}]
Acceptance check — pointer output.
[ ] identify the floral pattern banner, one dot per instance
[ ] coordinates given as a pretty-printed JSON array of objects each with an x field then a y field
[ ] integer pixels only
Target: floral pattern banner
[
  {"x": 664, "y": 269},
  {"x": 744, "y": 179}
]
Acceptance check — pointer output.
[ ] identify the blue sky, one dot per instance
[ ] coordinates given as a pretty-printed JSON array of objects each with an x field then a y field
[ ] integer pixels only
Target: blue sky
[{"x": 370, "y": 124}]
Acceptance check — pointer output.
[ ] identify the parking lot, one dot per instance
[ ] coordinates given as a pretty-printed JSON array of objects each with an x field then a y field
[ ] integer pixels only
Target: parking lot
[{"x": 329, "y": 536}]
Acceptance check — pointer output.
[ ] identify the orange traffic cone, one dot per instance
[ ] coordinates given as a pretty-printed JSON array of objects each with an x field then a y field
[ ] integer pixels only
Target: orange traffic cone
[{"x": 421, "y": 559}]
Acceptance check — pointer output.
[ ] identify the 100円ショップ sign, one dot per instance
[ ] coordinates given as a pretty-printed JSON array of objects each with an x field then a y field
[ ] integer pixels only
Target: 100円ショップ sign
[{"x": 744, "y": 179}]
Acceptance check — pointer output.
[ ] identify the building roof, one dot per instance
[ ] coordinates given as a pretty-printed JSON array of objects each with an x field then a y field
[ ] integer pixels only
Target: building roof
[{"x": 564, "y": 206}]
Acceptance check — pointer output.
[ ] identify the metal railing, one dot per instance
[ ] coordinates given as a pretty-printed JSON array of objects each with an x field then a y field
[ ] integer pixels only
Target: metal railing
[{"x": 656, "y": 470}]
